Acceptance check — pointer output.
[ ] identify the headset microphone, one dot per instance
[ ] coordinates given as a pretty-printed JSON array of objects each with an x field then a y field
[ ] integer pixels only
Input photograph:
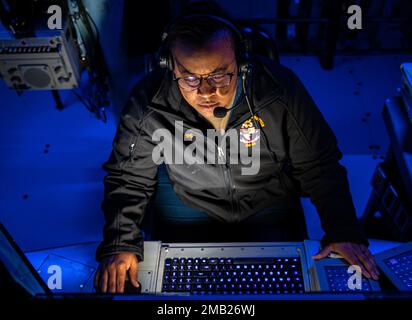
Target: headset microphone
[{"x": 220, "y": 112}]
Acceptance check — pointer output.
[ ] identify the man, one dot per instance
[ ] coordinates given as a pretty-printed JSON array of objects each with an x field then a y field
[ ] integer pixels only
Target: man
[{"x": 204, "y": 76}]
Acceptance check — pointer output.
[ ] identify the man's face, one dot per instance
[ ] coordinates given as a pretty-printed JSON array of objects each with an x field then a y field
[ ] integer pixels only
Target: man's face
[{"x": 215, "y": 57}]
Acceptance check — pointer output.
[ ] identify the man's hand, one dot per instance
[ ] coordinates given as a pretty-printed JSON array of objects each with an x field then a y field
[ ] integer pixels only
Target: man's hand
[
  {"x": 111, "y": 274},
  {"x": 355, "y": 254}
]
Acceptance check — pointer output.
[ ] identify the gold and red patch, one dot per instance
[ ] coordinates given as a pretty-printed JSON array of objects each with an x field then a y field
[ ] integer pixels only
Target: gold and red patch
[{"x": 249, "y": 134}]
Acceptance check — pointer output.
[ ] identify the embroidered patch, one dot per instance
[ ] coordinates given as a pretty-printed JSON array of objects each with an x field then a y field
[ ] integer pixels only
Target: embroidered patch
[
  {"x": 249, "y": 134},
  {"x": 188, "y": 136}
]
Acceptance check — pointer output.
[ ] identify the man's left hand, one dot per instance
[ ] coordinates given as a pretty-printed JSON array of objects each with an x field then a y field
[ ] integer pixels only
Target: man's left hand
[{"x": 355, "y": 254}]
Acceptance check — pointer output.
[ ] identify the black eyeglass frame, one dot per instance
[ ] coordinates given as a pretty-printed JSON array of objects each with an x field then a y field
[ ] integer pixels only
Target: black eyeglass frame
[{"x": 208, "y": 79}]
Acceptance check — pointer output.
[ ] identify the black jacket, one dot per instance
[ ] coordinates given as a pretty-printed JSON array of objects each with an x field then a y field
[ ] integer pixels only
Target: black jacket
[{"x": 300, "y": 157}]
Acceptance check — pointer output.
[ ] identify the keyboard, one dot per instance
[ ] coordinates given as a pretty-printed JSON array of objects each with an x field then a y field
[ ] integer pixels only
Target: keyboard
[
  {"x": 396, "y": 263},
  {"x": 401, "y": 266},
  {"x": 231, "y": 275},
  {"x": 334, "y": 275},
  {"x": 337, "y": 278}
]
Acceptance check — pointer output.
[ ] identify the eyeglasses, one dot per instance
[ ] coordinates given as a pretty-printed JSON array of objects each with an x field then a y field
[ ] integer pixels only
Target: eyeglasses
[{"x": 192, "y": 83}]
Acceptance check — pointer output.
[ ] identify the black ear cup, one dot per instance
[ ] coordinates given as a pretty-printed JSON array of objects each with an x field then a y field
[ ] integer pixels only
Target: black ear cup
[
  {"x": 164, "y": 54},
  {"x": 165, "y": 62}
]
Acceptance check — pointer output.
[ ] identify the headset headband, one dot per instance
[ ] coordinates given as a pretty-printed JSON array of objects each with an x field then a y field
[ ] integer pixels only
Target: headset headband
[{"x": 165, "y": 58}]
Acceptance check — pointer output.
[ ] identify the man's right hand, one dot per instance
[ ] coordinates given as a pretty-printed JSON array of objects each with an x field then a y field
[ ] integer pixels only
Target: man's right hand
[{"x": 111, "y": 274}]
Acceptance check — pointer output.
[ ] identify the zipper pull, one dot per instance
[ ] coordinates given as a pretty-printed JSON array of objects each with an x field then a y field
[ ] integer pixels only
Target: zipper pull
[
  {"x": 221, "y": 153},
  {"x": 131, "y": 151}
]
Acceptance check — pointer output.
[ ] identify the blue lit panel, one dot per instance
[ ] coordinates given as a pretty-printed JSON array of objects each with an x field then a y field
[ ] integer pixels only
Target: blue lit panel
[{"x": 74, "y": 275}]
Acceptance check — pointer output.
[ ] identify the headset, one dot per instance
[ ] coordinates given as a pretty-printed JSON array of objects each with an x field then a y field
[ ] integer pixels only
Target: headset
[{"x": 242, "y": 54}]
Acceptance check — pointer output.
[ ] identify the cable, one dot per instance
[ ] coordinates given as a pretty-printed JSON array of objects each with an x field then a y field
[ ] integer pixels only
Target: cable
[
  {"x": 99, "y": 111},
  {"x": 96, "y": 30},
  {"x": 257, "y": 125},
  {"x": 89, "y": 44},
  {"x": 90, "y": 106}
]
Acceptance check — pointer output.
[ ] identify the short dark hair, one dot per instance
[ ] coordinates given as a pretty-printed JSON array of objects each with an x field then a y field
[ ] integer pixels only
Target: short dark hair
[{"x": 196, "y": 31}]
